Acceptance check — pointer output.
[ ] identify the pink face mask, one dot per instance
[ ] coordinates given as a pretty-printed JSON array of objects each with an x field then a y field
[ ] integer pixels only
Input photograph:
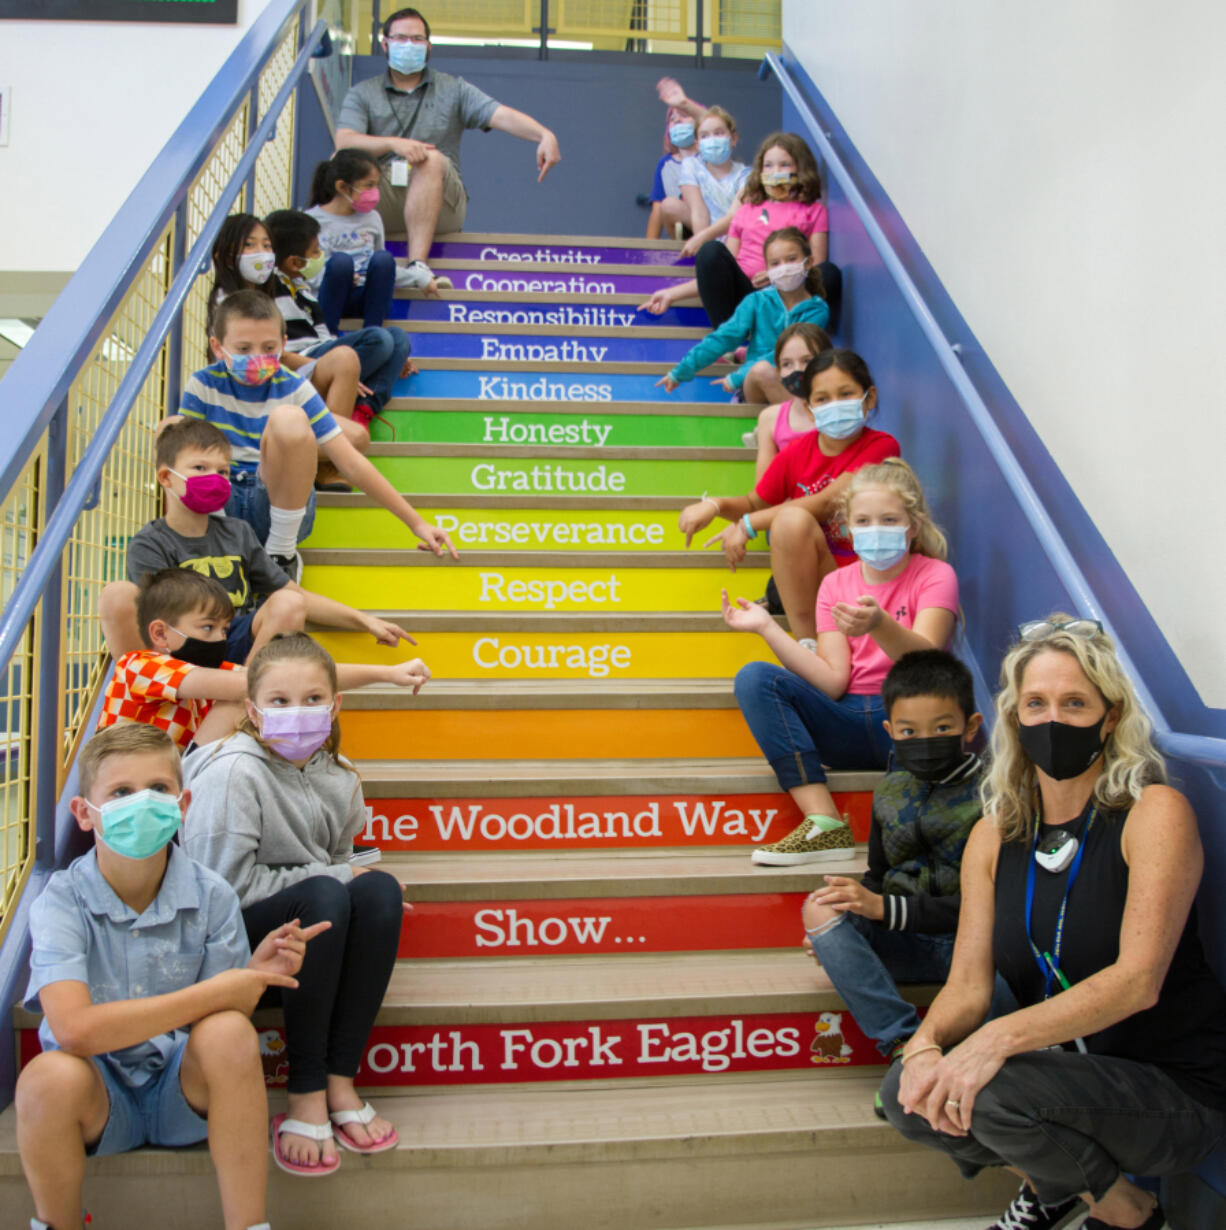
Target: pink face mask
[
  {"x": 365, "y": 201},
  {"x": 205, "y": 493}
]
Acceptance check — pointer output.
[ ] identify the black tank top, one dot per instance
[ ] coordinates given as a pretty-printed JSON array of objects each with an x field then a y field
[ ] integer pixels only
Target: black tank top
[{"x": 1184, "y": 1033}]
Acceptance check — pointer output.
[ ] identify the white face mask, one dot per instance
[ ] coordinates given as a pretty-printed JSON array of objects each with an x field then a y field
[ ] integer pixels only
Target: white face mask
[
  {"x": 790, "y": 276},
  {"x": 256, "y": 267}
]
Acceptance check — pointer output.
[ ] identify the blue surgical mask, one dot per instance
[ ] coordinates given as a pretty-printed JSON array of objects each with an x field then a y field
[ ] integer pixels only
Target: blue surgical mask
[
  {"x": 880, "y": 546},
  {"x": 839, "y": 419},
  {"x": 715, "y": 150},
  {"x": 139, "y": 825},
  {"x": 407, "y": 58},
  {"x": 681, "y": 134}
]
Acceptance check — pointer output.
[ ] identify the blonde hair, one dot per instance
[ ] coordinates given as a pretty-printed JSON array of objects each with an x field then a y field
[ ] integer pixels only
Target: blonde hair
[
  {"x": 125, "y": 738},
  {"x": 1130, "y": 760},
  {"x": 895, "y": 475},
  {"x": 720, "y": 114}
]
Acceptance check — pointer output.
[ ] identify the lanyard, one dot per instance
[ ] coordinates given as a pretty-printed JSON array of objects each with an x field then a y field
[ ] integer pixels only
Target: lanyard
[
  {"x": 407, "y": 129},
  {"x": 1045, "y": 969}
]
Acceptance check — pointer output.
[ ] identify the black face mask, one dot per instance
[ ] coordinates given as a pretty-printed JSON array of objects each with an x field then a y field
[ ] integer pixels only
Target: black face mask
[
  {"x": 793, "y": 381},
  {"x": 929, "y": 759},
  {"x": 1060, "y": 750},
  {"x": 201, "y": 653}
]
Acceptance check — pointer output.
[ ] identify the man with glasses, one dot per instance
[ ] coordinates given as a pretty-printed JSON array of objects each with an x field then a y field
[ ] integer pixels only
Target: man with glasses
[{"x": 412, "y": 118}]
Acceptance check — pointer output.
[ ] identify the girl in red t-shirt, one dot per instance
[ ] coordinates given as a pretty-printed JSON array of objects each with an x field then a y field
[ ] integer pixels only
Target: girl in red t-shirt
[
  {"x": 780, "y": 424},
  {"x": 797, "y": 498},
  {"x": 822, "y": 706}
]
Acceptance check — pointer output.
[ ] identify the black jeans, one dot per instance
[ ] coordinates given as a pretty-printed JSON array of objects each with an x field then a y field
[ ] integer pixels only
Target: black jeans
[
  {"x": 344, "y": 975},
  {"x": 722, "y": 284},
  {"x": 1073, "y": 1123}
]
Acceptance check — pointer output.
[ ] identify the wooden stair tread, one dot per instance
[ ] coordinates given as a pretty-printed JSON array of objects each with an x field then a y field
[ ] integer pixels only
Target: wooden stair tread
[
  {"x": 517, "y": 500},
  {"x": 614, "y": 367},
  {"x": 689, "y": 409},
  {"x": 564, "y": 452},
  {"x": 551, "y": 622},
  {"x": 551, "y": 694},
  {"x": 688, "y": 333},
  {"x": 407, "y": 557},
  {"x": 568, "y": 241}
]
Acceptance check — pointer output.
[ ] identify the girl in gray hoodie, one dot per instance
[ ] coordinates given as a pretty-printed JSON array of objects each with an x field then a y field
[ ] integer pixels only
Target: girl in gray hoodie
[{"x": 275, "y": 809}]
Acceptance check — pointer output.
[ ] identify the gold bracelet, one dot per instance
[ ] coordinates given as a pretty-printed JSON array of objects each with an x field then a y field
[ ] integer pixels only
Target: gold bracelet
[{"x": 919, "y": 1050}]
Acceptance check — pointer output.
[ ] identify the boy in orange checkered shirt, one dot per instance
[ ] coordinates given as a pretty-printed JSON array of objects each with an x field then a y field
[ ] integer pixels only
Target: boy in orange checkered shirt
[{"x": 180, "y": 682}]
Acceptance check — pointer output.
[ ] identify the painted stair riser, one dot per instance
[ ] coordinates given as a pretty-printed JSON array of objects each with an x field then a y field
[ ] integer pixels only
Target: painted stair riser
[
  {"x": 455, "y": 587},
  {"x": 583, "y": 824},
  {"x": 527, "y": 386},
  {"x": 588, "y": 315},
  {"x": 512, "y": 529},
  {"x": 524, "y": 348},
  {"x": 544, "y": 734},
  {"x": 398, "y": 1056},
  {"x": 568, "y": 280},
  {"x": 519, "y": 476},
  {"x": 599, "y": 926},
  {"x": 569, "y": 655},
  {"x": 561, "y": 253},
  {"x": 580, "y": 430}
]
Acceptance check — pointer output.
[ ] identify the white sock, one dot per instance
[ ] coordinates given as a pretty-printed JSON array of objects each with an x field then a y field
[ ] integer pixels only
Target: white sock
[
  {"x": 262, "y": 1226},
  {"x": 283, "y": 534}
]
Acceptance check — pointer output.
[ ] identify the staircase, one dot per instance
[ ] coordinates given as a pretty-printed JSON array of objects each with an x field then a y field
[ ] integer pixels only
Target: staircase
[{"x": 601, "y": 1016}]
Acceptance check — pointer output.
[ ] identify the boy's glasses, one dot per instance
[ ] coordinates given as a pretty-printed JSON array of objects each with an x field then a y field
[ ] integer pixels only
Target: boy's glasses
[{"x": 1037, "y": 629}]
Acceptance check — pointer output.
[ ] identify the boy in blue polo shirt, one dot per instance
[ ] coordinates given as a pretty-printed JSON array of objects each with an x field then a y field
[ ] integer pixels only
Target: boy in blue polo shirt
[
  {"x": 276, "y": 425},
  {"x": 135, "y": 945}
]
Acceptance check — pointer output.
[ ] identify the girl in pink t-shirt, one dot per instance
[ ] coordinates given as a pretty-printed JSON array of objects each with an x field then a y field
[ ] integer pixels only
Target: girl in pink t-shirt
[{"x": 823, "y": 705}]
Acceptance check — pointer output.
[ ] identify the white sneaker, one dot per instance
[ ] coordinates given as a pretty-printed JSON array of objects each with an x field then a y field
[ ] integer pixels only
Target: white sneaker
[
  {"x": 417, "y": 275},
  {"x": 750, "y": 438}
]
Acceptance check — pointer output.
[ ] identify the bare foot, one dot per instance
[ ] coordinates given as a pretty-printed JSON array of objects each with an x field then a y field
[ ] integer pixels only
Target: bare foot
[
  {"x": 301, "y": 1150},
  {"x": 343, "y": 1096}
]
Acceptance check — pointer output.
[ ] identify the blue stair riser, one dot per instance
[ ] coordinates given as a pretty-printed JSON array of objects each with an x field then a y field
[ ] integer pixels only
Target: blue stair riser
[
  {"x": 527, "y": 387},
  {"x": 595, "y": 315},
  {"x": 558, "y": 251},
  {"x": 523, "y": 348}
]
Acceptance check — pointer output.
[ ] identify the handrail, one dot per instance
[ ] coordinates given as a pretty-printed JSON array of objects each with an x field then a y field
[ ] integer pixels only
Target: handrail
[
  {"x": 1200, "y": 749},
  {"x": 46, "y": 555}
]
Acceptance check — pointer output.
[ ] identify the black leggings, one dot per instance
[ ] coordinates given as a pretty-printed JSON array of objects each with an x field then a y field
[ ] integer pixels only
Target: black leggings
[
  {"x": 722, "y": 284},
  {"x": 345, "y": 972}
]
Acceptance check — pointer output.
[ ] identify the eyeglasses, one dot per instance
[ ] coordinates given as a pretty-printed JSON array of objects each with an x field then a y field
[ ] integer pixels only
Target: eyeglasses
[
  {"x": 407, "y": 38},
  {"x": 1038, "y": 629}
]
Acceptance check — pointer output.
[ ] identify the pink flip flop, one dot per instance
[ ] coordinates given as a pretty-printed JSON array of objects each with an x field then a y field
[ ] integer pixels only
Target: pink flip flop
[
  {"x": 312, "y": 1131},
  {"x": 363, "y": 1117}
]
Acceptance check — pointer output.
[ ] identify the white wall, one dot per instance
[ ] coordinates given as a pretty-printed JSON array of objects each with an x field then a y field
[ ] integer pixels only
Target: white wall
[
  {"x": 93, "y": 103},
  {"x": 1061, "y": 166}
]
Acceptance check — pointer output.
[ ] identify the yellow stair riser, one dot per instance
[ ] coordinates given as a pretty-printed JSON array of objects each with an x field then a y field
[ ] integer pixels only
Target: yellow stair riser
[
  {"x": 454, "y": 587},
  {"x": 544, "y": 734},
  {"x": 562, "y": 655},
  {"x": 514, "y": 529}
]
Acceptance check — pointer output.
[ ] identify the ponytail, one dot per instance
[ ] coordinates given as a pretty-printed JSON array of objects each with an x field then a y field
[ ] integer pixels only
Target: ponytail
[
  {"x": 346, "y": 165},
  {"x": 793, "y": 234}
]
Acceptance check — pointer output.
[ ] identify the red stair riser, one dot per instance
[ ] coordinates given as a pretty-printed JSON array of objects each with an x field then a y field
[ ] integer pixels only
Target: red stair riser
[
  {"x": 603, "y": 925},
  {"x": 562, "y": 823}
]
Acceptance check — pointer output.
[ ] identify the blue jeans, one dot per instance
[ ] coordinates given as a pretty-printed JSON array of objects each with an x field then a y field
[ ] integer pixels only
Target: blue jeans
[
  {"x": 339, "y": 296},
  {"x": 864, "y": 961},
  {"x": 800, "y": 729},
  {"x": 249, "y": 501},
  {"x": 381, "y": 352}
]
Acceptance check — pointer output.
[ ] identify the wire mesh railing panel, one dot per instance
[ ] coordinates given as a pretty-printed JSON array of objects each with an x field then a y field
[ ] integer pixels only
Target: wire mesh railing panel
[
  {"x": 274, "y": 168},
  {"x": 493, "y": 18},
  {"x": 748, "y": 23},
  {"x": 127, "y": 493},
  {"x": 630, "y": 19},
  {"x": 21, "y": 518}
]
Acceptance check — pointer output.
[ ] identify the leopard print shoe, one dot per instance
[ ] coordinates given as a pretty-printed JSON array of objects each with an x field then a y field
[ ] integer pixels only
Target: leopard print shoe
[{"x": 814, "y": 839}]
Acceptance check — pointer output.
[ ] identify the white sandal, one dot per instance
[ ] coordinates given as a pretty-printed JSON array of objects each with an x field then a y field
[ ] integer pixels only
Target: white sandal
[
  {"x": 312, "y": 1131},
  {"x": 363, "y": 1118}
]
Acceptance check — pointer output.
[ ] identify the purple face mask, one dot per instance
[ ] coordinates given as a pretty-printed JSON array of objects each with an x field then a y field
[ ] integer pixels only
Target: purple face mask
[{"x": 296, "y": 733}]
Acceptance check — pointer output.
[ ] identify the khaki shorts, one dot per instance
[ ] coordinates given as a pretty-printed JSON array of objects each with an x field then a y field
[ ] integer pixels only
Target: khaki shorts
[{"x": 450, "y": 219}]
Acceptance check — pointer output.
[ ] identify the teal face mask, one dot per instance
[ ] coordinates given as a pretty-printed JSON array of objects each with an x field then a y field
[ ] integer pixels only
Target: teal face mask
[
  {"x": 839, "y": 419},
  {"x": 681, "y": 134},
  {"x": 715, "y": 150},
  {"x": 139, "y": 825},
  {"x": 880, "y": 546}
]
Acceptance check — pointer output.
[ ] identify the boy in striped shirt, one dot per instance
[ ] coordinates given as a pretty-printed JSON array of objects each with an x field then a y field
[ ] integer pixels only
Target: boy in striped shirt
[{"x": 276, "y": 425}]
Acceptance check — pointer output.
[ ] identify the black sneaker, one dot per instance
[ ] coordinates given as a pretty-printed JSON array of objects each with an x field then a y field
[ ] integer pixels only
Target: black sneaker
[
  {"x": 1155, "y": 1221},
  {"x": 364, "y": 856},
  {"x": 291, "y": 565},
  {"x": 878, "y": 1109},
  {"x": 1027, "y": 1212}
]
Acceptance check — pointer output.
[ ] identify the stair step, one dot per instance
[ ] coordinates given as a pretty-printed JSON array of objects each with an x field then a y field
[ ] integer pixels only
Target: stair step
[
  {"x": 587, "y": 311},
  {"x": 495, "y": 344},
  {"x": 557, "y": 452},
  {"x": 554, "y": 278},
  {"x": 425, "y": 328},
  {"x": 513, "y": 249},
  {"x": 360, "y": 557},
  {"x": 545, "y": 382},
  {"x": 668, "y": 274},
  {"x": 552, "y": 622},
  {"x": 634, "y": 1156},
  {"x": 489, "y": 405},
  {"x": 583, "y": 367}
]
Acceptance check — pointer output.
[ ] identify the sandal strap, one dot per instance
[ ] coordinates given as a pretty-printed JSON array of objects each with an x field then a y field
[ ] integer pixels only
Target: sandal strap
[
  {"x": 312, "y": 1131},
  {"x": 363, "y": 1116}
]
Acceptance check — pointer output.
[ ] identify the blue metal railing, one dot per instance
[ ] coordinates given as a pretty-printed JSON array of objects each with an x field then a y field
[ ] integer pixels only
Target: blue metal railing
[
  {"x": 1195, "y": 749},
  {"x": 37, "y": 386}
]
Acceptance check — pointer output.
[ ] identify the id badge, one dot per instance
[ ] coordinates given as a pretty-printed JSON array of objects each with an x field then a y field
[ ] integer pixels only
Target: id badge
[{"x": 399, "y": 173}]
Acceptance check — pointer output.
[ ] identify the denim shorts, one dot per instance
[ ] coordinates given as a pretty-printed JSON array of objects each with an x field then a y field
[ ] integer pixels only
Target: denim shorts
[
  {"x": 249, "y": 501},
  {"x": 156, "y": 1113},
  {"x": 239, "y": 638}
]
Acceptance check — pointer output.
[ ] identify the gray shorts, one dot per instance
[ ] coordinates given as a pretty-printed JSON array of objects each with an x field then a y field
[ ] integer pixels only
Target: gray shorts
[{"x": 451, "y": 217}]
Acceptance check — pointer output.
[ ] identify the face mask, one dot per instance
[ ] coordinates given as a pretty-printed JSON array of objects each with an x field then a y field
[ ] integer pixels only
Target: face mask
[
  {"x": 139, "y": 825},
  {"x": 256, "y": 267},
  {"x": 880, "y": 546},
  {"x": 313, "y": 267},
  {"x": 204, "y": 493},
  {"x": 296, "y": 733},
  {"x": 252, "y": 369},
  {"x": 929, "y": 759},
  {"x": 407, "y": 58},
  {"x": 681, "y": 134},
  {"x": 839, "y": 419},
  {"x": 793, "y": 381},
  {"x": 199, "y": 652},
  {"x": 790, "y": 276},
  {"x": 715, "y": 150},
  {"x": 778, "y": 179},
  {"x": 365, "y": 201},
  {"x": 1060, "y": 750}
]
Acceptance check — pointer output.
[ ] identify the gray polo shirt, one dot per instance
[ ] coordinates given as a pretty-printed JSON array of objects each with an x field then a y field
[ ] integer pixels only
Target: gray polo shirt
[{"x": 448, "y": 105}]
